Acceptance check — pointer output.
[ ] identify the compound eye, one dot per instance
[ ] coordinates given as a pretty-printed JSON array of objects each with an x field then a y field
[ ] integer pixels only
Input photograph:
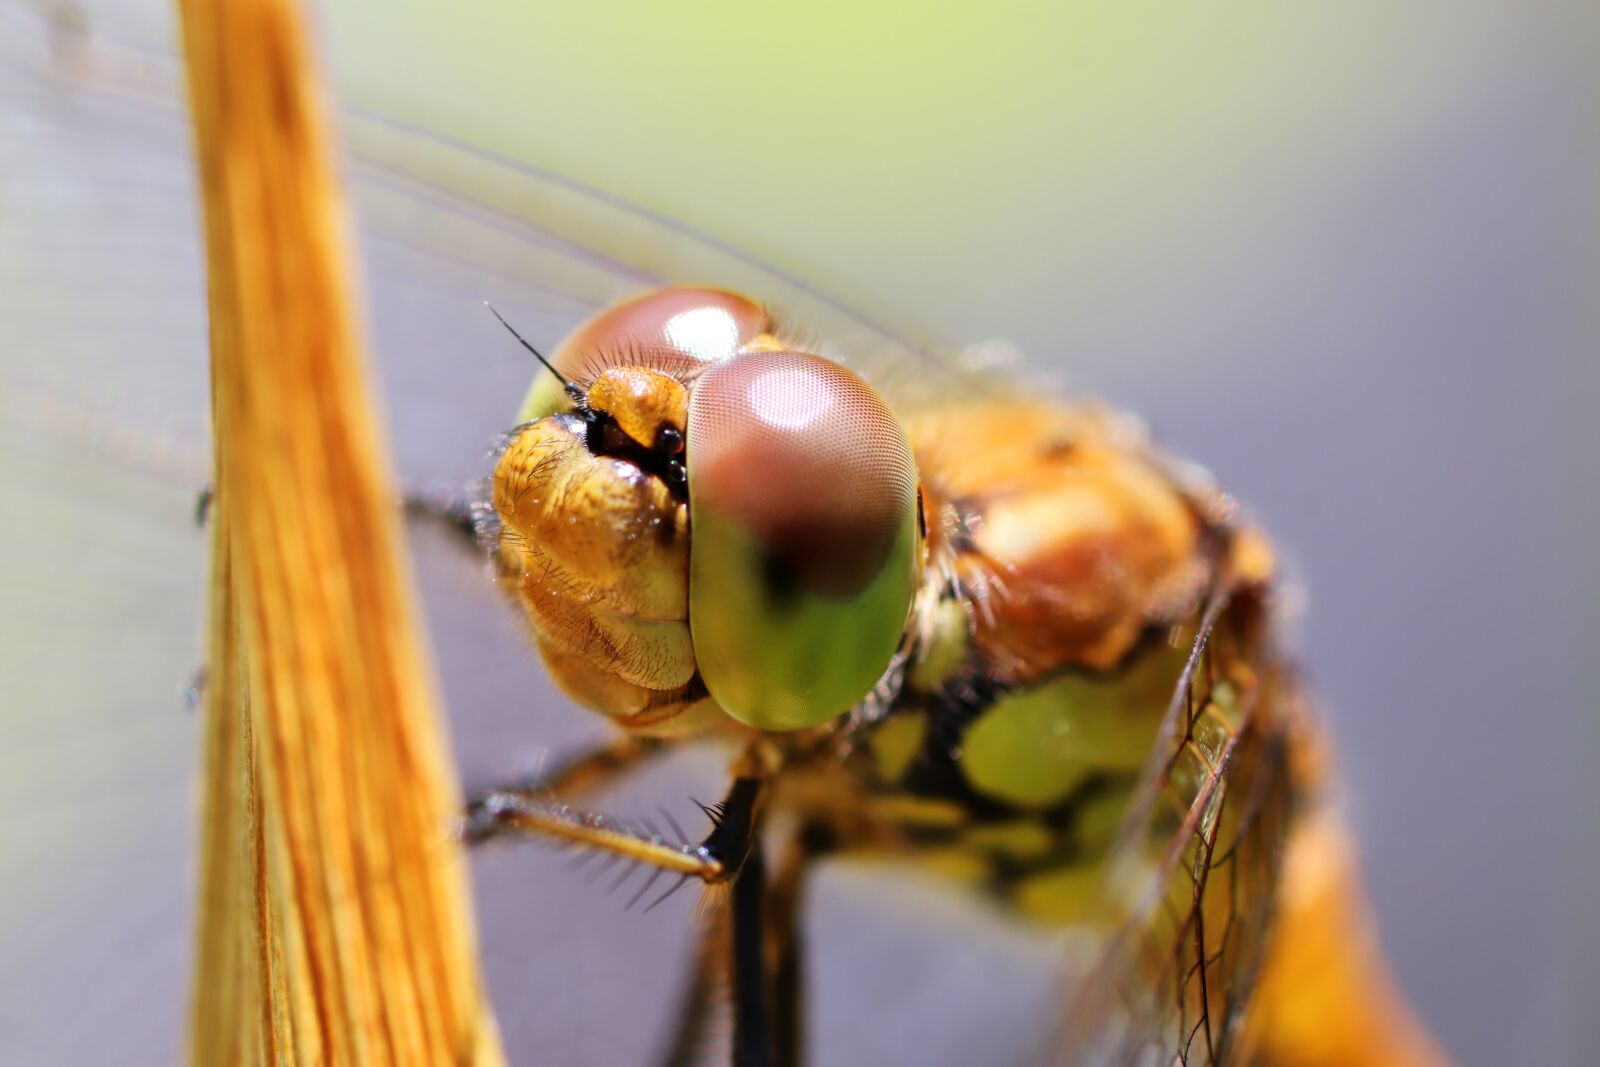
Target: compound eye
[
  {"x": 803, "y": 547},
  {"x": 677, "y": 331}
]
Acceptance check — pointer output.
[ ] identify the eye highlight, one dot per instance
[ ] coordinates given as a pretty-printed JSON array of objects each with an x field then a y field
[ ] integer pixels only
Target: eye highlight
[
  {"x": 804, "y": 549},
  {"x": 676, "y": 330}
]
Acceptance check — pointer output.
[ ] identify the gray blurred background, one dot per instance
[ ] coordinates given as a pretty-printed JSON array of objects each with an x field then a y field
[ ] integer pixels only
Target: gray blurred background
[{"x": 1346, "y": 258}]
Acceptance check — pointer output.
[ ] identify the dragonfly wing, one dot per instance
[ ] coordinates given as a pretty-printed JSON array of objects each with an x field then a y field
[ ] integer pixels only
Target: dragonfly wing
[
  {"x": 104, "y": 228},
  {"x": 1195, "y": 867}
]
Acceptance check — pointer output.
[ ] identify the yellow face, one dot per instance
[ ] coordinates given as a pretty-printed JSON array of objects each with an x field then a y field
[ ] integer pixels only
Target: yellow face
[{"x": 703, "y": 523}]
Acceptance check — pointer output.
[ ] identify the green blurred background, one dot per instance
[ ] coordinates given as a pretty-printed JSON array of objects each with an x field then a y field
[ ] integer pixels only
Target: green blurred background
[{"x": 1344, "y": 255}]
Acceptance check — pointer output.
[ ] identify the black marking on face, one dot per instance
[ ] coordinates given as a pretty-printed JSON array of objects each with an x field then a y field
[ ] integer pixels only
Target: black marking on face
[
  {"x": 663, "y": 459},
  {"x": 669, "y": 440}
]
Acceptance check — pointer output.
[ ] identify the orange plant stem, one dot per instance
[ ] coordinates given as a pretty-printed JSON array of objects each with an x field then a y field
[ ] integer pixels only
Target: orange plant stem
[{"x": 333, "y": 922}]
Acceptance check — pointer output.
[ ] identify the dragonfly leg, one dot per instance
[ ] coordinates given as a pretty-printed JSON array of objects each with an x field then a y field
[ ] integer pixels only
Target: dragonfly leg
[
  {"x": 536, "y": 811},
  {"x": 703, "y": 998},
  {"x": 730, "y": 954},
  {"x": 732, "y": 851},
  {"x": 459, "y": 515},
  {"x": 202, "y": 505},
  {"x": 784, "y": 898},
  {"x": 752, "y": 1035},
  {"x": 736, "y": 842},
  {"x": 462, "y": 517},
  {"x": 504, "y": 813},
  {"x": 536, "y": 808},
  {"x": 590, "y": 770}
]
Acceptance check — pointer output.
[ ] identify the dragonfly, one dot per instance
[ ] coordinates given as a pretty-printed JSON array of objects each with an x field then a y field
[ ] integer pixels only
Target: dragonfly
[
  {"x": 983, "y": 634},
  {"x": 998, "y": 638}
]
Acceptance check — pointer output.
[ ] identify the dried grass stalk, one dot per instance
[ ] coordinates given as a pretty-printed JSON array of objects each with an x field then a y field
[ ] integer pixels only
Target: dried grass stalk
[{"x": 333, "y": 913}]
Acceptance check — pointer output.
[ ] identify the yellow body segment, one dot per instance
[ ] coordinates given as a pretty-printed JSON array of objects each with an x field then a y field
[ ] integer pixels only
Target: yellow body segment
[
  {"x": 1326, "y": 997},
  {"x": 1033, "y": 747}
]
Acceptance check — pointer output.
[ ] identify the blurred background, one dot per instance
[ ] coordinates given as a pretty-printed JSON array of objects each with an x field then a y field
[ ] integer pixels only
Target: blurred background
[{"x": 1346, "y": 257}]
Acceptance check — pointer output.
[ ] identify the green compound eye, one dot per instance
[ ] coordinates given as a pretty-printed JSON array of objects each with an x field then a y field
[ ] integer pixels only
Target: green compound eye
[{"x": 804, "y": 545}]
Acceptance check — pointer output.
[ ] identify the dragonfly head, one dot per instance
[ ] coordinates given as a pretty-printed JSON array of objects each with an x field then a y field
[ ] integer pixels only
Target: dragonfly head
[{"x": 805, "y": 543}]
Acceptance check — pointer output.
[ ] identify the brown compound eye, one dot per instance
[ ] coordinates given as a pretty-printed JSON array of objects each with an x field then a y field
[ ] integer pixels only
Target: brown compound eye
[
  {"x": 677, "y": 331},
  {"x": 804, "y": 547}
]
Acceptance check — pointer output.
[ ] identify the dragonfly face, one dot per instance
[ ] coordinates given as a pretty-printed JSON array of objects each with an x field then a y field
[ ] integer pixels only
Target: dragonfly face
[{"x": 700, "y": 518}]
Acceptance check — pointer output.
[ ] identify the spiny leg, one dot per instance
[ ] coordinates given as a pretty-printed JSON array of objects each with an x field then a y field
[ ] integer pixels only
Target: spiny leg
[
  {"x": 536, "y": 808},
  {"x": 731, "y": 851},
  {"x": 729, "y": 955},
  {"x": 535, "y": 812},
  {"x": 735, "y": 843}
]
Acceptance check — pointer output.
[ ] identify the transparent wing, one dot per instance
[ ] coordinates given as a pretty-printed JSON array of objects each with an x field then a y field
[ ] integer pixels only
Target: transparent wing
[
  {"x": 103, "y": 220},
  {"x": 1195, "y": 866}
]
